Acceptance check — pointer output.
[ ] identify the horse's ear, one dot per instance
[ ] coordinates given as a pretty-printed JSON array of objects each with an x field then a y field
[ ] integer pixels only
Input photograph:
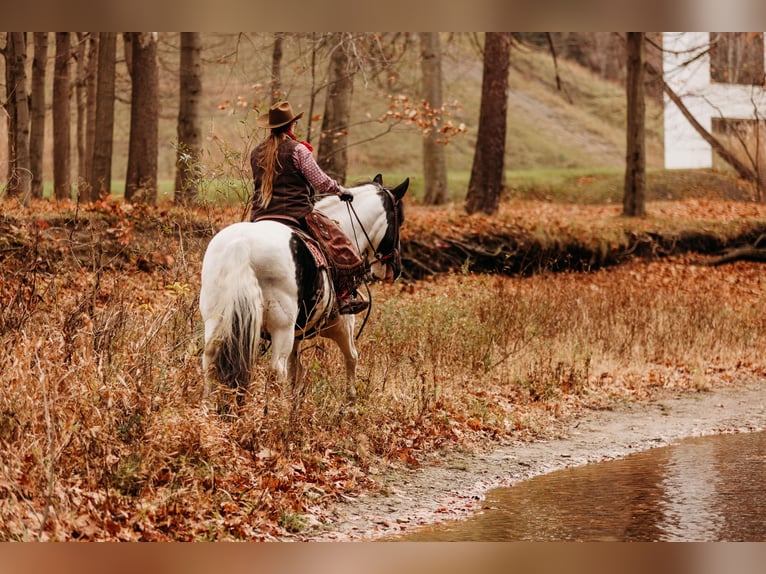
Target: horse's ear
[
  {"x": 401, "y": 189},
  {"x": 378, "y": 179}
]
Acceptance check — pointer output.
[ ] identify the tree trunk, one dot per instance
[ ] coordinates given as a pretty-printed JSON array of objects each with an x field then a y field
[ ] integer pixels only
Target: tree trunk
[
  {"x": 332, "y": 156},
  {"x": 434, "y": 162},
  {"x": 141, "y": 179},
  {"x": 276, "y": 67},
  {"x": 37, "y": 113},
  {"x": 61, "y": 119},
  {"x": 313, "y": 91},
  {"x": 189, "y": 129},
  {"x": 8, "y": 106},
  {"x": 101, "y": 174},
  {"x": 486, "y": 184},
  {"x": 80, "y": 104},
  {"x": 91, "y": 86},
  {"x": 19, "y": 175},
  {"x": 634, "y": 197}
]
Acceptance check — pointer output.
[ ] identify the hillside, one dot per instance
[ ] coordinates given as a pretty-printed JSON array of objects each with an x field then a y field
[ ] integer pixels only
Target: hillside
[{"x": 581, "y": 126}]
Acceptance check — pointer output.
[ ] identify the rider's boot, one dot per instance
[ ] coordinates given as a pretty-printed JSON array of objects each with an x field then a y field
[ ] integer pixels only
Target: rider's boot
[{"x": 351, "y": 303}]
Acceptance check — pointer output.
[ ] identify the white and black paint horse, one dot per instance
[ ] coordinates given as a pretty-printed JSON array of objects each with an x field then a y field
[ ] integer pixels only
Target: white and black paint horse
[{"x": 260, "y": 280}]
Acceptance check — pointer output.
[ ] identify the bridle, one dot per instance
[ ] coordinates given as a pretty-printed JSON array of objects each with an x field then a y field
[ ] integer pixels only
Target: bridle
[{"x": 385, "y": 258}]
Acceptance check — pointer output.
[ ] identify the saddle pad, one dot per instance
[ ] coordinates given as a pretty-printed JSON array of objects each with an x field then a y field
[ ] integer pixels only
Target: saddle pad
[{"x": 316, "y": 253}]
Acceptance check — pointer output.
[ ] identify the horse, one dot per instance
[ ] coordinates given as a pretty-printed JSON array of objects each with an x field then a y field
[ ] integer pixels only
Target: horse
[{"x": 262, "y": 281}]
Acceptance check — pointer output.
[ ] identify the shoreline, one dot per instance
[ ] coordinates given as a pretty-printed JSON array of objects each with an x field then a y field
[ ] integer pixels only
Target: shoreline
[{"x": 453, "y": 487}]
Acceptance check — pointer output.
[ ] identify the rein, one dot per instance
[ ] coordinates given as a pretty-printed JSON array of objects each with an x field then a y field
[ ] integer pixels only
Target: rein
[{"x": 378, "y": 257}]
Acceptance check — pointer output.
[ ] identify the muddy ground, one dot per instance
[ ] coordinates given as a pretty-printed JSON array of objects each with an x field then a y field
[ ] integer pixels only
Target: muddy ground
[{"x": 453, "y": 487}]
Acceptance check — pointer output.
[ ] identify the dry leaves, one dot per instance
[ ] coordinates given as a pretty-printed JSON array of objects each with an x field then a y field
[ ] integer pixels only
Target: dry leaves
[{"x": 104, "y": 435}]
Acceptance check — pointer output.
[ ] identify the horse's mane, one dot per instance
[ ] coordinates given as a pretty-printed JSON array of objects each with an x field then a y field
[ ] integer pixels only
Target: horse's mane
[{"x": 362, "y": 183}]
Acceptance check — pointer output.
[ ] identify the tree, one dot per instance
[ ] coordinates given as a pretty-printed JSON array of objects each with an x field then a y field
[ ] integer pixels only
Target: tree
[
  {"x": 37, "y": 112},
  {"x": 634, "y": 196},
  {"x": 85, "y": 91},
  {"x": 332, "y": 155},
  {"x": 189, "y": 130},
  {"x": 276, "y": 67},
  {"x": 19, "y": 173},
  {"x": 101, "y": 172},
  {"x": 141, "y": 179},
  {"x": 486, "y": 183},
  {"x": 62, "y": 177},
  {"x": 434, "y": 163}
]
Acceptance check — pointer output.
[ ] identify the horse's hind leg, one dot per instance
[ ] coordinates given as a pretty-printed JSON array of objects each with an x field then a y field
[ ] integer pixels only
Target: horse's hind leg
[
  {"x": 281, "y": 349},
  {"x": 209, "y": 355}
]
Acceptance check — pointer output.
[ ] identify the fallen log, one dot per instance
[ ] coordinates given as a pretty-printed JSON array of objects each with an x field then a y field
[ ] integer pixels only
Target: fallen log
[{"x": 752, "y": 252}]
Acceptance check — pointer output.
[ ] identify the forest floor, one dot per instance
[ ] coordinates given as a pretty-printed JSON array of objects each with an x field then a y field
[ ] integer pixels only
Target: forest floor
[{"x": 122, "y": 450}]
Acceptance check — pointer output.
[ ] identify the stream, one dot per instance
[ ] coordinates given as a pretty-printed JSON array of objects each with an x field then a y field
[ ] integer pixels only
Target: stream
[{"x": 702, "y": 489}]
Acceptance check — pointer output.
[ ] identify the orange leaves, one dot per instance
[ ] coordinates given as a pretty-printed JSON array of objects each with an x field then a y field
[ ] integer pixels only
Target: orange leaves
[
  {"x": 425, "y": 118},
  {"x": 406, "y": 456},
  {"x": 476, "y": 360}
]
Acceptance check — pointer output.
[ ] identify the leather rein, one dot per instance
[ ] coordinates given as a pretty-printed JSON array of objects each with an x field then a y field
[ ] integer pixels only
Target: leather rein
[{"x": 378, "y": 257}]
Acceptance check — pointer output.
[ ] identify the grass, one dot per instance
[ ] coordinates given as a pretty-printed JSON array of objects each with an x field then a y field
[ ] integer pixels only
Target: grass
[{"x": 583, "y": 186}]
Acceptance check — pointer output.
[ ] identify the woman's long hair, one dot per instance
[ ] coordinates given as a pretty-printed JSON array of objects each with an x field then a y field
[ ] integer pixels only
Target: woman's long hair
[{"x": 269, "y": 161}]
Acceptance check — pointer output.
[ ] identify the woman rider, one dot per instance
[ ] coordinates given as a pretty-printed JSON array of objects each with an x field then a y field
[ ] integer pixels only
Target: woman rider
[{"x": 285, "y": 177}]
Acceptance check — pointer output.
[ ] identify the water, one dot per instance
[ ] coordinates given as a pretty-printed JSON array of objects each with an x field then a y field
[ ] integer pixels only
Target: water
[{"x": 701, "y": 489}]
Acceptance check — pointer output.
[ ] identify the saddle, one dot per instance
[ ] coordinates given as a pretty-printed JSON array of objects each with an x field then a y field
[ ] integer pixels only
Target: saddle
[{"x": 330, "y": 247}]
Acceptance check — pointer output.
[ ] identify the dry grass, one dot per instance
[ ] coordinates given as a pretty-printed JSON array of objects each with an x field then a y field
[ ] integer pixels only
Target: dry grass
[{"x": 104, "y": 437}]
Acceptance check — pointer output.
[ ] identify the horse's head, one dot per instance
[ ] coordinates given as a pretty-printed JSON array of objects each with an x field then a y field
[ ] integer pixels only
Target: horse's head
[
  {"x": 372, "y": 222},
  {"x": 386, "y": 264}
]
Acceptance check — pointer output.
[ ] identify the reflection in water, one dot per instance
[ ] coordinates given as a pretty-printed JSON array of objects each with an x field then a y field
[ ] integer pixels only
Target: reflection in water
[{"x": 702, "y": 489}]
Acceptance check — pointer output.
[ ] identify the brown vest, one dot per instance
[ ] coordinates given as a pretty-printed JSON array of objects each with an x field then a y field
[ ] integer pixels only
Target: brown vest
[
  {"x": 292, "y": 197},
  {"x": 291, "y": 192}
]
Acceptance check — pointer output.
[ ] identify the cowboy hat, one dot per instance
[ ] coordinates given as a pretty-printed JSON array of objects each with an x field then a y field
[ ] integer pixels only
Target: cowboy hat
[{"x": 279, "y": 114}]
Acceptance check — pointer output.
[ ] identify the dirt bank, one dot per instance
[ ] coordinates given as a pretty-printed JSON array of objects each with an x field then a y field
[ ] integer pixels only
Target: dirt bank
[{"x": 453, "y": 487}]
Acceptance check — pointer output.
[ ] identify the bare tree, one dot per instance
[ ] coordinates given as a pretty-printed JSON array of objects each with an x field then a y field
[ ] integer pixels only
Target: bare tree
[
  {"x": 634, "y": 196},
  {"x": 19, "y": 174},
  {"x": 276, "y": 67},
  {"x": 91, "y": 85},
  {"x": 434, "y": 162},
  {"x": 86, "y": 55},
  {"x": 101, "y": 172},
  {"x": 37, "y": 112},
  {"x": 332, "y": 155},
  {"x": 189, "y": 129},
  {"x": 141, "y": 179},
  {"x": 61, "y": 118},
  {"x": 486, "y": 184},
  {"x": 718, "y": 147}
]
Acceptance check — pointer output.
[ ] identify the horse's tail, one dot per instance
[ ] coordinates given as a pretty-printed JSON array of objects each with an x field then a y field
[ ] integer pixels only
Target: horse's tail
[{"x": 234, "y": 313}]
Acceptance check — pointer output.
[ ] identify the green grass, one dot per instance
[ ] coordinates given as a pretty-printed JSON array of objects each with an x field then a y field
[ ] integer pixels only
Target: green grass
[{"x": 584, "y": 186}]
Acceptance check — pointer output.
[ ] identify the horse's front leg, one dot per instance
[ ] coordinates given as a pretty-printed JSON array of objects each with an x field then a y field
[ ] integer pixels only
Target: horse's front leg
[
  {"x": 342, "y": 332},
  {"x": 295, "y": 371}
]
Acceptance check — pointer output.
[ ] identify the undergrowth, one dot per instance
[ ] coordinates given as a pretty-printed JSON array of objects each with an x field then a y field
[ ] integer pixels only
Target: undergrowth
[{"x": 104, "y": 434}]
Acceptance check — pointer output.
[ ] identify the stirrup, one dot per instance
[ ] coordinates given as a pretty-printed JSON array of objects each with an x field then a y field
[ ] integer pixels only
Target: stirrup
[{"x": 352, "y": 304}]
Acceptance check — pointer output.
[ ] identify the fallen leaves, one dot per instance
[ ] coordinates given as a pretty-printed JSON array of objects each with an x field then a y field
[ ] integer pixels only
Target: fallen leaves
[{"x": 456, "y": 361}]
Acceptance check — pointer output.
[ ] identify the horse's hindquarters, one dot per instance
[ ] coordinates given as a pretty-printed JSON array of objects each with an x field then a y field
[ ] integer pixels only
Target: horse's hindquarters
[{"x": 242, "y": 271}]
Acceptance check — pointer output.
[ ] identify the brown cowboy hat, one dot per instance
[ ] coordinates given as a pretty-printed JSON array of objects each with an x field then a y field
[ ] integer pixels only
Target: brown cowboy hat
[{"x": 279, "y": 114}]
